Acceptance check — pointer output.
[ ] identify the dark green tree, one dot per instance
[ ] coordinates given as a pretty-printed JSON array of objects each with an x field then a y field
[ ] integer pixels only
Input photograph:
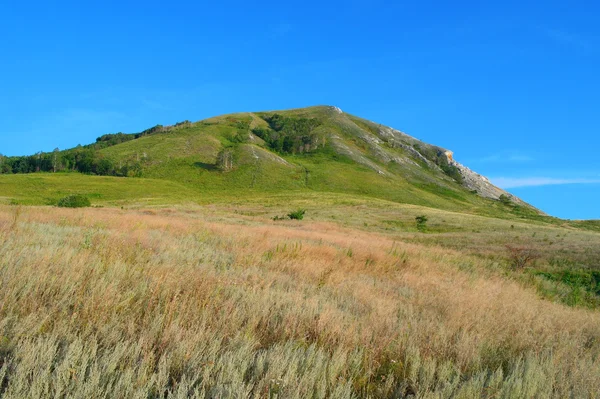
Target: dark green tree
[
  {"x": 505, "y": 199},
  {"x": 421, "y": 222}
]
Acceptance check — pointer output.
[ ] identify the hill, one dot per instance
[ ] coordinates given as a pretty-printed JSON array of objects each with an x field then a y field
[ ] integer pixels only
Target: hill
[{"x": 316, "y": 149}]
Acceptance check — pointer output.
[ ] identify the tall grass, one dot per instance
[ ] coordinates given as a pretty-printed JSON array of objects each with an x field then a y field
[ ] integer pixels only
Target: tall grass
[{"x": 104, "y": 303}]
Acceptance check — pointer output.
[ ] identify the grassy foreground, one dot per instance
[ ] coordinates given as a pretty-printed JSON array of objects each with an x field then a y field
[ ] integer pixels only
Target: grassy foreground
[{"x": 221, "y": 302}]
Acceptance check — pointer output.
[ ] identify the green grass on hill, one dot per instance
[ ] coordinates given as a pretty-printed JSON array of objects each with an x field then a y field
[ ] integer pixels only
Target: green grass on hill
[
  {"x": 48, "y": 188},
  {"x": 563, "y": 245},
  {"x": 314, "y": 149}
]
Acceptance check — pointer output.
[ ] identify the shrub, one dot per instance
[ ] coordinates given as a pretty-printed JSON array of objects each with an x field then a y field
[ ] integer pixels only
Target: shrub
[
  {"x": 504, "y": 199},
  {"x": 297, "y": 215},
  {"x": 225, "y": 159},
  {"x": 74, "y": 201},
  {"x": 520, "y": 257},
  {"x": 421, "y": 222}
]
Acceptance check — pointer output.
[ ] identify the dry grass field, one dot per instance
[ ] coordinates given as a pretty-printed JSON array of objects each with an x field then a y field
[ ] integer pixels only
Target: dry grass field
[{"x": 222, "y": 303}]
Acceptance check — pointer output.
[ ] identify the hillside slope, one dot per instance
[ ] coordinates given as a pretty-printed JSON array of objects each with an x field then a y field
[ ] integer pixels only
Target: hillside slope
[{"x": 318, "y": 149}]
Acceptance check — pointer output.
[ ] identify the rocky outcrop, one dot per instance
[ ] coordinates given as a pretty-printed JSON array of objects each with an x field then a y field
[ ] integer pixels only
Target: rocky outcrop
[
  {"x": 476, "y": 182},
  {"x": 380, "y": 139}
]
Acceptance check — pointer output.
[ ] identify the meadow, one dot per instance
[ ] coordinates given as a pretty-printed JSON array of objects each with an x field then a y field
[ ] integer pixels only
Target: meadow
[{"x": 220, "y": 301}]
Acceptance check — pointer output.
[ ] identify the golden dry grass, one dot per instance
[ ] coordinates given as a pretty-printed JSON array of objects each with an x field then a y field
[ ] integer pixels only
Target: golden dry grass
[{"x": 168, "y": 303}]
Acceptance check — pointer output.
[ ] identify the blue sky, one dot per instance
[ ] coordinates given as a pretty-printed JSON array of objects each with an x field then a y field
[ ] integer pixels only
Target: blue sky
[{"x": 512, "y": 87}]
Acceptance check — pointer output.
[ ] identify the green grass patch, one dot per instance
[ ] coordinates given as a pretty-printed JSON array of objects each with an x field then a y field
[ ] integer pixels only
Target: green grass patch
[
  {"x": 74, "y": 201},
  {"x": 573, "y": 287},
  {"x": 49, "y": 188}
]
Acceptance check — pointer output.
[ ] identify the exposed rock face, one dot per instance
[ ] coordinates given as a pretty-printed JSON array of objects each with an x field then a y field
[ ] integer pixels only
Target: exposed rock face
[
  {"x": 450, "y": 156},
  {"x": 477, "y": 182},
  {"x": 383, "y": 138}
]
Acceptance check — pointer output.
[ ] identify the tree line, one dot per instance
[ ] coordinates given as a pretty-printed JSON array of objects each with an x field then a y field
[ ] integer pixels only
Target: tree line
[
  {"x": 80, "y": 159},
  {"x": 84, "y": 159}
]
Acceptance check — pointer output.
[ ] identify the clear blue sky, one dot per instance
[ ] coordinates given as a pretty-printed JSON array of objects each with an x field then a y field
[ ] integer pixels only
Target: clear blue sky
[{"x": 512, "y": 88}]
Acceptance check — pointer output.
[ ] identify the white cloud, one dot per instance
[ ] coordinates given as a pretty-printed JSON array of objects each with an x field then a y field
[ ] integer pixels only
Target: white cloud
[{"x": 513, "y": 182}]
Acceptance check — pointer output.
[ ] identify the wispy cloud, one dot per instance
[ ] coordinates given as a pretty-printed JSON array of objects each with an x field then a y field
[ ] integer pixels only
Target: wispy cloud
[{"x": 514, "y": 182}]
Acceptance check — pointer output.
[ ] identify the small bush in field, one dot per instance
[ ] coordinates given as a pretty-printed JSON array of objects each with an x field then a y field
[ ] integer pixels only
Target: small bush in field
[
  {"x": 297, "y": 215},
  {"x": 421, "y": 222},
  {"x": 521, "y": 257},
  {"x": 74, "y": 201}
]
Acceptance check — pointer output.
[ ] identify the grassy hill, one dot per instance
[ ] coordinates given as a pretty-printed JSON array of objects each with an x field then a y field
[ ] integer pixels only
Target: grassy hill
[
  {"x": 186, "y": 279},
  {"x": 317, "y": 149}
]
